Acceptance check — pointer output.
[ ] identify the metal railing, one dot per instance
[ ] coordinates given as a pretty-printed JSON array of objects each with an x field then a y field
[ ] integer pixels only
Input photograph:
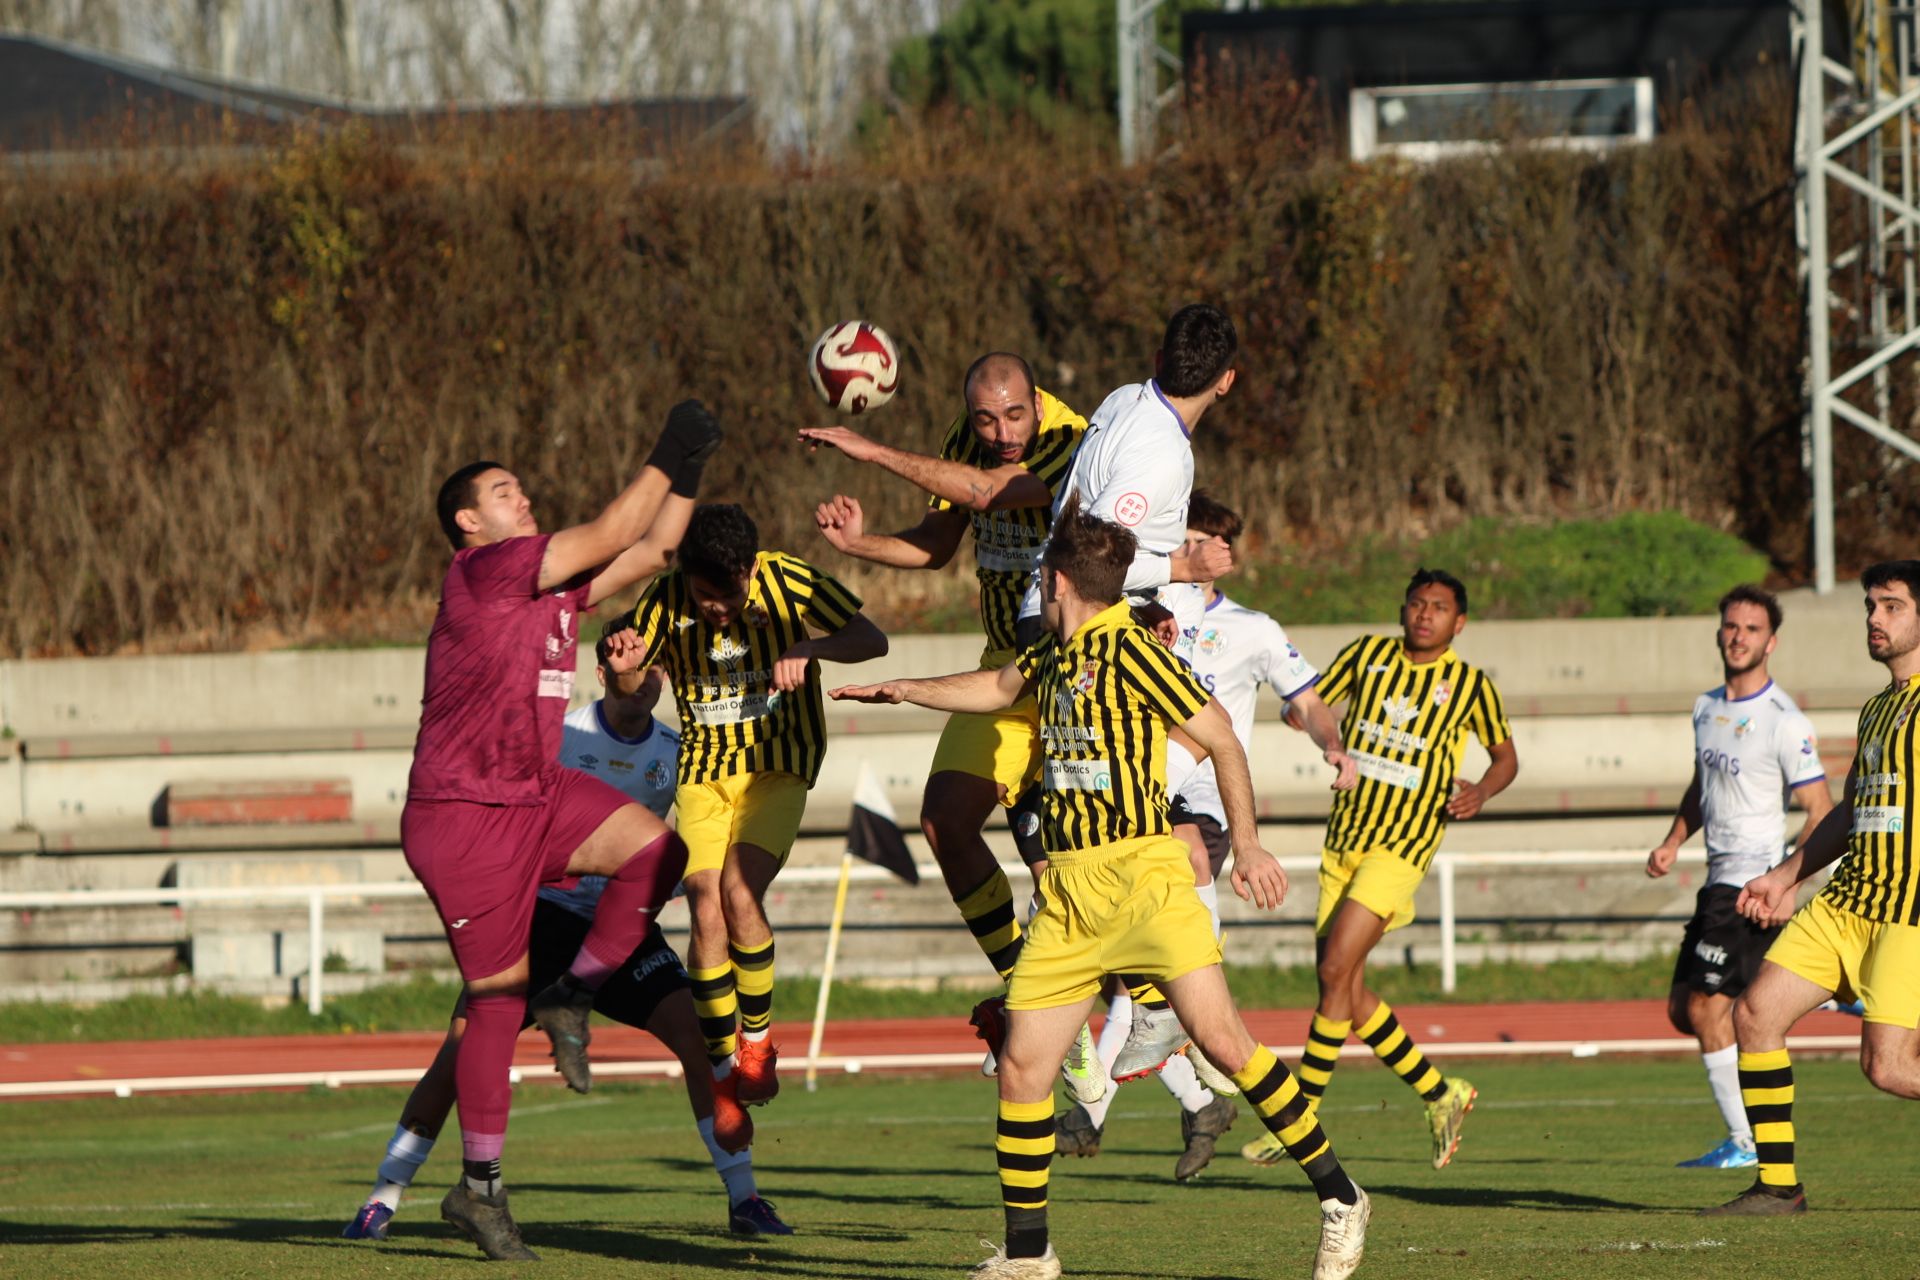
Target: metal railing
[{"x": 1446, "y": 867}]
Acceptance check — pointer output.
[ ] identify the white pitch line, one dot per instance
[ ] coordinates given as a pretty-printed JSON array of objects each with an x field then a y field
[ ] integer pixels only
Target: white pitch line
[
  {"x": 851, "y": 1064},
  {"x": 519, "y": 1113}
]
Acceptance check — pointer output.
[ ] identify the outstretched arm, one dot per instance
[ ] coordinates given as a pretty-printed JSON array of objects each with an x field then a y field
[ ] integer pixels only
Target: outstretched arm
[
  {"x": 972, "y": 488},
  {"x": 653, "y": 553},
  {"x": 686, "y": 442},
  {"x": 928, "y": 545},
  {"x": 978, "y": 691}
]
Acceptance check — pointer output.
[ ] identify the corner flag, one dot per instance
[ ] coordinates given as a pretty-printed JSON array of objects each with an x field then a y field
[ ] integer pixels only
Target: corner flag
[{"x": 873, "y": 833}]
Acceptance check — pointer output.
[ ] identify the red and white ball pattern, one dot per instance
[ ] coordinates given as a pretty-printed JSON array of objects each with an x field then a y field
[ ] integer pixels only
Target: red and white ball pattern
[{"x": 854, "y": 366}]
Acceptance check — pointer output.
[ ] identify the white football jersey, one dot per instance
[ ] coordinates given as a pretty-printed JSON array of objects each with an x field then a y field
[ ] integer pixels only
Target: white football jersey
[
  {"x": 1135, "y": 468},
  {"x": 645, "y": 768},
  {"x": 1236, "y": 650},
  {"x": 1750, "y": 753}
]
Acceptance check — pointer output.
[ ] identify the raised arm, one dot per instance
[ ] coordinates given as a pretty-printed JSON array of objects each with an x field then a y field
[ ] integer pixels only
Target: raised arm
[
  {"x": 647, "y": 557},
  {"x": 686, "y": 442},
  {"x": 1006, "y": 487},
  {"x": 928, "y": 545},
  {"x": 975, "y": 691},
  {"x": 1687, "y": 819}
]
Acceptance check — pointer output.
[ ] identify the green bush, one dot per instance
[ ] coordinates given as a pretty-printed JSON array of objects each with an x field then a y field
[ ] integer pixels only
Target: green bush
[{"x": 1632, "y": 566}]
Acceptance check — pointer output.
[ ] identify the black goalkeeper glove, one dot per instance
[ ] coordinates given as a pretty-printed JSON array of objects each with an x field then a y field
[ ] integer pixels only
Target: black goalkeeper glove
[{"x": 686, "y": 442}]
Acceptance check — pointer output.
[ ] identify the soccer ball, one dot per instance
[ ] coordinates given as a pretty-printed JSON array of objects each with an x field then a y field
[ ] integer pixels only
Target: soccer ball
[{"x": 854, "y": 366}]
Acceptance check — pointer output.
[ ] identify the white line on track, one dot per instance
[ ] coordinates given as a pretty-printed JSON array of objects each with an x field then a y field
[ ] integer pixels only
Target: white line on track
[
  {"x": 849, "y": 1064},
  {"x": 519, "y": 1113}
]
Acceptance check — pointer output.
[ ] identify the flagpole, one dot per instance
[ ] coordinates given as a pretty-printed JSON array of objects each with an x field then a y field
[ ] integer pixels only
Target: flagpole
[{"x": 826, "y": 972}]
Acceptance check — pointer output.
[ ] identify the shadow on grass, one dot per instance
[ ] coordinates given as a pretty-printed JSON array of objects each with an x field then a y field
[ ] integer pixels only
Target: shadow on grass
[
  {"x": 1505, "y": 1198},
  {"x": 755, "y": 1255}
]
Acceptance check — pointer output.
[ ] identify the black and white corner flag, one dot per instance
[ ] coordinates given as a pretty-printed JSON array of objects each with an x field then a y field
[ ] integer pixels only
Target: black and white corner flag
[{"x": 873, "y": 833}]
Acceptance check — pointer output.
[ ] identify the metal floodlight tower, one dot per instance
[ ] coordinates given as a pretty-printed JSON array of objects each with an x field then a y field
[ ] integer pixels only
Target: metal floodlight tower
[
  {"x": 1140, "y": 58},
  {"x": 1857, "y": 130}
]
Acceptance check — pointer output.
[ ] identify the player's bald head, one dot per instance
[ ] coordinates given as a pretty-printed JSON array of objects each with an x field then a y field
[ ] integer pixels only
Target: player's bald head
[{"x": 998, "y": 369}]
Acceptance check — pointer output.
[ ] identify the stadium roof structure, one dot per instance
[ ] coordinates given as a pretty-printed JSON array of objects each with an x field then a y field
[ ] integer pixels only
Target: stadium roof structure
[
  {"x": 67, "y": 99},
  {"x": 1675, "y": 43}
]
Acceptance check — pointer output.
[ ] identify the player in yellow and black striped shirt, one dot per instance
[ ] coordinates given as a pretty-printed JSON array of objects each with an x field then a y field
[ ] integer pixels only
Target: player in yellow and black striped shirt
[
  {"x": 1861, "y": 933},
  {"x": 999, "y": 466},
  {"x": 1118, "y": 891},
  {"x": 732, "y": 627},
  {"x": 1411, "y": 702}
]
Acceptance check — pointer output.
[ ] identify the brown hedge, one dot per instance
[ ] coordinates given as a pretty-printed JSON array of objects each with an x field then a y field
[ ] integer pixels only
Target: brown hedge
[{"x": 229, "y": 383}]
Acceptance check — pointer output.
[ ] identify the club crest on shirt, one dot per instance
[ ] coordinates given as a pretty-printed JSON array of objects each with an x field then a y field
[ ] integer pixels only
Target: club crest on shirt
[
  {"x": 1399, "y": 709},
  {"x": 1900, "y": 720},
  {"x": 1743, "y": 726},
  {"x": 1211, "y": 642},
  {"x": 727, "y": 651},
  {"x": 656, "y": 774},
  {"x": 757, "y": 616},
  {"x": 553, "y": 646},
  {"x": 1088, "y": 678},
  {"x": 1807, "y": 746},
  {"x": 1442, "y": 694}
]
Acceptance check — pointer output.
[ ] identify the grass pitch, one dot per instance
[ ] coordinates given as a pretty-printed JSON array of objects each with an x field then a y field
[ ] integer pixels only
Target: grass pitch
[{"x": 1566, "y": 1170}]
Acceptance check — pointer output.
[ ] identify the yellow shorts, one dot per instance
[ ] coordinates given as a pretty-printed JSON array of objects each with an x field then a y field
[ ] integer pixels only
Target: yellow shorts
[
  {"x": 1377, "y": 879},
  {"x": 1837, "y": 950},
  {"x": 760, "y": 809},
  {"x": 1001, "y": 746},
  {"x": 1126, "y": 907}
]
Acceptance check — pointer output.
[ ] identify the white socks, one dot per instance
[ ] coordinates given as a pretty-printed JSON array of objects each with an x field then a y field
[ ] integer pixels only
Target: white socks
[
  {"x": 1183, "y": 1084},
  {"x": 1113, "y": 1036},
  {"x": 1723, "y": 1077},
  {"x": 406, "y": 1152},
  {"x": 735, "y": 1169}
]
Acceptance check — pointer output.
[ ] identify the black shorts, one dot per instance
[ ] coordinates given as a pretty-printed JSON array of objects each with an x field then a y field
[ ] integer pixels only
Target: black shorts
[
  {"x": 632, "y": 992},
  {"x": 1722, "y": 949},
  {"x": 1212, "y": 834}
]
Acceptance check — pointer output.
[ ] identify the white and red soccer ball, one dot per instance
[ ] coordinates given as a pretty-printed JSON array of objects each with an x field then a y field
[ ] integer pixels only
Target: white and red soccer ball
[{"x": 854, "y": 366}]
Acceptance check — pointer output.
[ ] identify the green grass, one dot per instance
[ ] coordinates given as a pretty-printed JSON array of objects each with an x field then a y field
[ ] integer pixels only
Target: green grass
[
  {"x": 1565, "y": 1171},
  {"x": 423, "y": 1003},
  {"x": 1633, "y": 566}
]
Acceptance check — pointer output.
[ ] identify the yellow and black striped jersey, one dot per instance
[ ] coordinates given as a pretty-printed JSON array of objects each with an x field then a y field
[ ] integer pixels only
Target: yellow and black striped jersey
[
  {"x": 1876, "y": 877},
  {"x": 1006, "y": 544},
  {"x": 731, "y": 718},
  {"x": 1106, "y": 697},
  {"x": 1406, "y": 726}
]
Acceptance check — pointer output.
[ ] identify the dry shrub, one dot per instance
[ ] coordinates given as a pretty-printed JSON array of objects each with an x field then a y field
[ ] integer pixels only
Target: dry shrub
[{"x": 230, "y": 381}]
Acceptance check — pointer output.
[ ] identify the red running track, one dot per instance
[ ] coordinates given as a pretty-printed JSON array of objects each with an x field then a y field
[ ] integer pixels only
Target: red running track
[{"x": 1490, "y": 1028}]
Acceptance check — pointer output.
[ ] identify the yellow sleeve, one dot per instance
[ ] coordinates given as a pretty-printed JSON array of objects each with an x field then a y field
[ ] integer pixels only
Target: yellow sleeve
[
  {"x": 1489, "y": 717},
  {"x": 649, "y": 615},
  {"x": 1339, "y": 680},
  {"x": 1164, "y": 683},
  {"x": 824, "y": 602}
]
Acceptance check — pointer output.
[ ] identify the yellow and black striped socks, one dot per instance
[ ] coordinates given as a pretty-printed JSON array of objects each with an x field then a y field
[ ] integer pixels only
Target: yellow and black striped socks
[
  {"x": 715, "y": 1004},
  {"x": 753, "y": 977},
  {"x": 1322, "y": 1054},
  {"x": 1145, "y": 994},
  {"x": 988, "y": 911},
  {"x": 1276, "y": 1098},
  {"x": 1392, "y": 1045},
  {"x": 1766, "y": 1086},
  {"x": 1023, "y": 1144}
]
